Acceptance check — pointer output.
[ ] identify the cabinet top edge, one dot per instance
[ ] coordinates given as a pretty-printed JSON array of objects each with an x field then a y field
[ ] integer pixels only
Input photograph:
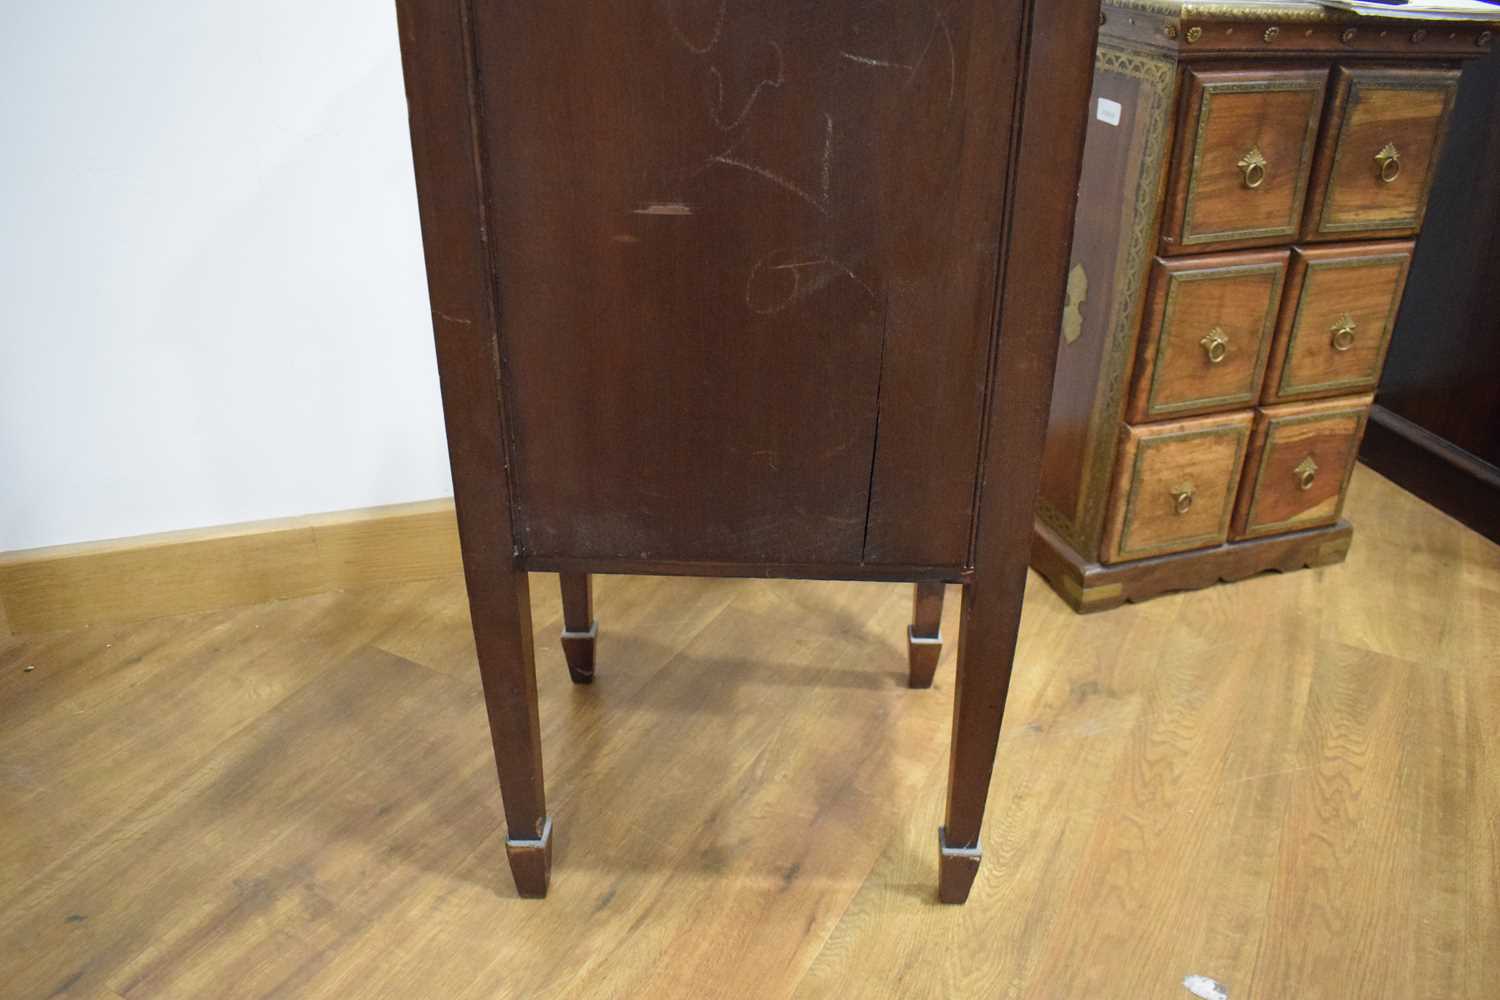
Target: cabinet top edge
[{"x": 1263, "y": 10}]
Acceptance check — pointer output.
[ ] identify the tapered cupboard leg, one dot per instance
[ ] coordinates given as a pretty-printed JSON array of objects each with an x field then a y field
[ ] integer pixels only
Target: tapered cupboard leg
[
  {"x": 986, "y": 643},
  {"x": 507, "y": 671},
  {"x": 924, "y": 636},
  {"x": 579, "y": 627}
]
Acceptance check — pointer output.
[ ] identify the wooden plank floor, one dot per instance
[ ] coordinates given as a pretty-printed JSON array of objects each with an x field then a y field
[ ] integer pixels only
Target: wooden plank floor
[{"x": 1291, "y": 785}]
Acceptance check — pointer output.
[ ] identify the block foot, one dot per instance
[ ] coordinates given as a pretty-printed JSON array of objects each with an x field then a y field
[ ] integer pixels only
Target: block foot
[
  {"x": 578, "y": 648},
  {"x": 957, "y": 867},
  {"x": 531, "y": 862},
  {"x": 922, "y": 654}
]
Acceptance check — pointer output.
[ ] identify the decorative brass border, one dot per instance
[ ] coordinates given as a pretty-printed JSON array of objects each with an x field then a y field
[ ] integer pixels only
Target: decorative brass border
[
  {"x": 1237, "y": 10},
  {"x": 1361, "y": 414},
  {"x": 1304, "y": 161},
  {"x": 1241, "y": 434},
  {"x": 1082, "y": 527},
  {"x": 1414, "y": 221},
  {"x": 1257, "y": 375},
  {"x": 1284, "y": 389}
]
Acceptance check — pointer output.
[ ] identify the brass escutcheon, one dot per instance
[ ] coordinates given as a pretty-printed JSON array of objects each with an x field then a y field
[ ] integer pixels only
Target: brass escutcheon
[
  {"x": 1389, "y": 162},
  {"x": 1182, "y": 497},
  {"x": 1254, "y": 164},
  {"x": 1215, "y": 345},
  {"x": 1343, "y": 333},
  {"x": 1306, "y": 471}
]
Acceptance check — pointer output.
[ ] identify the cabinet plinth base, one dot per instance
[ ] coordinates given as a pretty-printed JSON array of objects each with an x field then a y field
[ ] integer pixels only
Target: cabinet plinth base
[{"x": 1089, "y": 586}]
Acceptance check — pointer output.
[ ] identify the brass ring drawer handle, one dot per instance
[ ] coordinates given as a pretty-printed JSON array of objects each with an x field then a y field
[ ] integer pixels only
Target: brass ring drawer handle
[
  {"x": 1254, "y": 165},
  {"x": 1343, "y": 333},
  {"x": 1388, "y": 162},
  {"x": 1182, "y": 497},
  {"x": 1215, "y": 345},
  {"x": 1306, "y": 471}
]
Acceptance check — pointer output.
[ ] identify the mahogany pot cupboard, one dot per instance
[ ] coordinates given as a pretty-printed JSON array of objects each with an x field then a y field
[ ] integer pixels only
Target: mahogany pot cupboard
[
  {"x": 754, "y": 288},
  {"x": 1254, "y": 175}
]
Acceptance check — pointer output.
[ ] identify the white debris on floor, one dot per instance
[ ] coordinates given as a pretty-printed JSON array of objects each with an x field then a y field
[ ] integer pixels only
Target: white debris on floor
[{"x": 1208, "y": 989}]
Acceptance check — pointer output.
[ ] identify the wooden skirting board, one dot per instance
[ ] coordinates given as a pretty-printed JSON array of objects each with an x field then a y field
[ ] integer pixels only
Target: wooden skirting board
[
  {"x": 1463, "y": 486},
  {"x": 132, "y": 579}
]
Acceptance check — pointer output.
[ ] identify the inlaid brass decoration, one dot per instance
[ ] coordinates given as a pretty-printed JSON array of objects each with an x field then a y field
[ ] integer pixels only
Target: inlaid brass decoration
[{"x": 1078, "y": 290}]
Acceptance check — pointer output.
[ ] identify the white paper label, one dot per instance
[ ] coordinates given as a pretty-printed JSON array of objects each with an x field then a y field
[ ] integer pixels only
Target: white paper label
[{"x": 1109, "y": 111}]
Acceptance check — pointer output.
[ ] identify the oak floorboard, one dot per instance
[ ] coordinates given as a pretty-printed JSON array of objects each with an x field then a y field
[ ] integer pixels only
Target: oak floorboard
[{"x": 1290, "y": 784}]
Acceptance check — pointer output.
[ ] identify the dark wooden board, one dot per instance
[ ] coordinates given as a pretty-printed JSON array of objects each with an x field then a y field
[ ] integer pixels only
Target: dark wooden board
[{"x": 745, "y": 260}]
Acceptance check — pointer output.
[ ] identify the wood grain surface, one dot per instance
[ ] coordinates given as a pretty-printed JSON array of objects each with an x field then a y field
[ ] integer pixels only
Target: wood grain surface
[
  {"x": 1373, "y": 107},
  {"x": 1175, "y": 485},
  {"x": 1331, "y": 287},
  {"x": 1291, "y": 786},
  {"x": 700, "y": 210},
  {"x": 1301, "y": 458},
  {"x": 1233, "y": 297},
  {"x": 1228, "y": 115}
]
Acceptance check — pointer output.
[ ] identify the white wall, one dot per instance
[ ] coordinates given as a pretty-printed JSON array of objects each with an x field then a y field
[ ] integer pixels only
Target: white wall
[{"x": 212, "y": 303}]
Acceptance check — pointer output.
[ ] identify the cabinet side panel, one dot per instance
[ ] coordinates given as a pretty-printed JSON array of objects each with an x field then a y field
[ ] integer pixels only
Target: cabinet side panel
[
  {"x": 689, "y": 216},
  {"x": 1114, "y": 236},
  {"x": 956, "y": 140}
]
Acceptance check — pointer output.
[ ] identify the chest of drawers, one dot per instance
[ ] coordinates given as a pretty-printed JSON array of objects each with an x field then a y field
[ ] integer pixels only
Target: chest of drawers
[{"x": 1255, "y": 176}]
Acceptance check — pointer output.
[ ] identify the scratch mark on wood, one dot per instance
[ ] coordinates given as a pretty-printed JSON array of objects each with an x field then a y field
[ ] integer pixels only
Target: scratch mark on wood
[
  {"x": 716, "y": 105},
  {"x": 939, "y": 25},
  {"x": 870, "y": 61},
  {"x": 827, "y": 175},
  {"x": 826, "y": 262},
  {"x": 688, "y": 43},
  {"x": 663, "y": 208},
  {"x": 624, "y": 238},
  {"x": 454, "y": 319},
  {"x": 770, "y": 457},
  {"x": 942, "y": 20},
  {"x": 822, "y": 267},
  {"x": 774, "y": 178}
]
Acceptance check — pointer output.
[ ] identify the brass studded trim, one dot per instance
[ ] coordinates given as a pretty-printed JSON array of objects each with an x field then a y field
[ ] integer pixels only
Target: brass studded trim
[
  {"x": 1083, "y": 526},
  {"x": 1237, "y": 10}
]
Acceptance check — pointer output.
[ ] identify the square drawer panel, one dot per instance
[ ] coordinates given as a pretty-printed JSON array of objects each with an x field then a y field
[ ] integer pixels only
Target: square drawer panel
[
  {"x": 1175, "y": 486},
  {"x": 1244, "y": 153},
  {"x": 1301, "y": 457},
  {"x": 1385, "y": 132},
  {"x": 1207, "y": 333},
  {"x": 1336, "y": 319}
]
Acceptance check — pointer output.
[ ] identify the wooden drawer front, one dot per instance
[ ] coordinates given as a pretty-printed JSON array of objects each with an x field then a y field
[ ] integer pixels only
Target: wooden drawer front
[
  {"x": 1300, "y": 461},
  {"x": 1207, "y": 333},
  {"x": 1375, "y": 169},
  {"x": 1243, "y": 159},
  {"x": 1175, "y": 486},
  {"x": 1340, "y": 305}
]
